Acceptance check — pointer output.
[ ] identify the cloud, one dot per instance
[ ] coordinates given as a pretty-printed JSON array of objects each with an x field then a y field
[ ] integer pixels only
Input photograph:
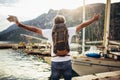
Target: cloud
[{"x": 8, "y": 2}]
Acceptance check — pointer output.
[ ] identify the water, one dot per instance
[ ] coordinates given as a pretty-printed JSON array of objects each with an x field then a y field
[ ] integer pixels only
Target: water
[{"x": 16, "y": 65}]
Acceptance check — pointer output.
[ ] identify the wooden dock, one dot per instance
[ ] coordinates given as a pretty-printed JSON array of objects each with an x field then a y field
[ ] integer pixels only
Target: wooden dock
[
  {"x": 29, "y": 49},
  {"x": 10, "y": 46},
  {"x": 115, "y": 75}
]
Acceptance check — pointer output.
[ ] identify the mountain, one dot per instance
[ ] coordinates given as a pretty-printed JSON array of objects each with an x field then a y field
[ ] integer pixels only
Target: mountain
[{"x": 73, "y": 18}]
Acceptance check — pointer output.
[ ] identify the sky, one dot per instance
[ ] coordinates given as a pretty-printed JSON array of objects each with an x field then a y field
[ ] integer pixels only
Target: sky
[{"x": 29, "y": 9}]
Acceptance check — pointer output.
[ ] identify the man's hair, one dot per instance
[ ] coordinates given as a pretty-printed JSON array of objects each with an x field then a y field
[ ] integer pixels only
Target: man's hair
[{"x": 59, "y": 19}]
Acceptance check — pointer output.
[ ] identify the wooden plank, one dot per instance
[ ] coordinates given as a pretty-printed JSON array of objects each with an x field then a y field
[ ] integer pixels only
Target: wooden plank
[
  {"x": 115, "y": 53},
  {"x": 115, "y": 75}
]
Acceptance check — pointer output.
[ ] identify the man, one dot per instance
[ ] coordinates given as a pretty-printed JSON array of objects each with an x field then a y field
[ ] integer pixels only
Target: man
[{"x": 60, "y": 65}]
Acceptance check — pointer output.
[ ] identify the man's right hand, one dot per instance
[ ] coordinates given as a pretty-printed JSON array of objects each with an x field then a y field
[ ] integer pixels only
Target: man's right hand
[
  {"x": 12, "y": 18},
  {"x": 96, "y": 17}
]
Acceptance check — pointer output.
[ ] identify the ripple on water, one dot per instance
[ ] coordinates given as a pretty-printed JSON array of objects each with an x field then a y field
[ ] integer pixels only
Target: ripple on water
[{"x": 16, "y": 65}]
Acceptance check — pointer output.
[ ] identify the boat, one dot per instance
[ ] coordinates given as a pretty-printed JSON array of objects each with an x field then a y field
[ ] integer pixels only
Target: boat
[
  {"x": 42, "y": 47},
  {"x": 104, "y": 60},
  {"x": 87, "y": 65}
]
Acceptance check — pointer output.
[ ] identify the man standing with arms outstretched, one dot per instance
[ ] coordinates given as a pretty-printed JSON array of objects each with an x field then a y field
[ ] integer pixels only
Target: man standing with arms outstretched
[{"x": 60, "y": 64}]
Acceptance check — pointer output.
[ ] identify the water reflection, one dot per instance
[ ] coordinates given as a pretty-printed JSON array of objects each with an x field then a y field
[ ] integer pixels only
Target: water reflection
[{"x": 16, "y": 65}]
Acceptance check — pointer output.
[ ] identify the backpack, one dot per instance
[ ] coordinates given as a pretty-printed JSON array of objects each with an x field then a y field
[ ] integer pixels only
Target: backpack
[{"x": 60, "y": 39}]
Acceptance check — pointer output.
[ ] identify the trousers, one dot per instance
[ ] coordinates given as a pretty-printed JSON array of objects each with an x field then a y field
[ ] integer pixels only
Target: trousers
[{"x": 63, "y": 69}]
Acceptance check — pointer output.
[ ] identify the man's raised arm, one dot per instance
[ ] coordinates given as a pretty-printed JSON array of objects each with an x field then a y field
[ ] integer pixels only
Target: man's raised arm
[
  {"x": 27, "y": 27},
  {"x": 86, "y": 23}
]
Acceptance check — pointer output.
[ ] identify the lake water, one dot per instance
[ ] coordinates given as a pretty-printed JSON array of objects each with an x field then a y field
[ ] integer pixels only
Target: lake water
[{"x": 16, "y": 65}]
